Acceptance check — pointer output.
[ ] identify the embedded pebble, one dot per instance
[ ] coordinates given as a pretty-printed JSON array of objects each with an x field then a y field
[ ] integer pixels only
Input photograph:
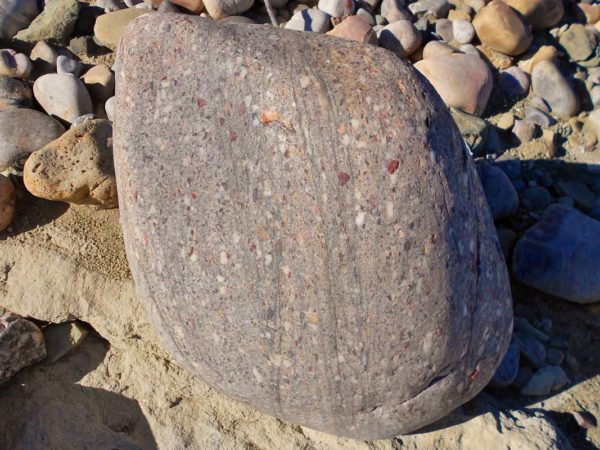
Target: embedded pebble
[
  {"x": 14, "y": 64},
  {"x": 433, "y": 48},
  {"x": 507, "y": 372},
  {"x": 62, "y": 95},
  {"x": 445, "y": 30},
  {"x": 536, "y": 198},
  {"x": 555, "y": 356},
  {"x": 538, "y": 116},
  {"x": 195, "y": 6},
  {"x": 400, "y": 37},
  {"x": 43, "y": 57},
  {"x": 435, "y": 8}
]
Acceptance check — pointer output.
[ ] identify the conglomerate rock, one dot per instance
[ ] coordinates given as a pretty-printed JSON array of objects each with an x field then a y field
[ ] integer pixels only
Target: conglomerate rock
[{"x": 341, "y": 276}]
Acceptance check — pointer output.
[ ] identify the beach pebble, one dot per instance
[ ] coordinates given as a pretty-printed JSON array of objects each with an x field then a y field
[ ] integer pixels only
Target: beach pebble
[
  {"x": 500, "y": 28},
  {"x": 500, "y": 193},
  {"x": 540, "y": 14},
  {"x": 64, "y": 64},
  {"x": 435, "y": 8},
  {"x": 445, "y": 30},
  {"x": 109, "y": 108},
  {"x": 560, "y": 255},
  {"x": 16, "y": 15},
  {"x": 547, "y": 379},
  {"x": 23, "y": 131},
  {"x": 591, "y": 12},
  {"x": 394, "y": 10},
  {"x": 56, "y": 22},
  {"x": 355, "y": 28},
  {"x": 14, "y": 93},
  {"x": 538, "y": 116},
  {"x": 62, "y": 338},
  {"x": 507, "y": 371},
  {"x": 536, "y": 198},
  {"x": 463, "y": 31},
  {"x": 555, "y": 356},
  {"x": 583, "y": 196},
  {"x": 195, "y": 6},
  {"x": 400, "y": 37},
  {"x": 337, "y": 8},
  {"x": 43, "y": 57},
  {"x": 549, "y": 83},
  {"x": 169, "y": 7},
  {"x": 524, "y": 130},
  {"x": 309, "y": 20},
  {"x": 473, "y": 129},
  {"x": 76, "y": 168},
  {"x": 463, "y": 81},
  {"x": 544, "y": 53},
  {"x": 100, "y": 82},
  {"x": 580, "y": 43},
  {"x": 8, "y": 201},
  {"x": 109, "y": 27},
  {"x": 433, "y": 48},
  {"x": 14, "y": 64},
  {"x": 62, "y": 95},
  {"x": 514, "y": 82},
  {"x": 531, "y": 348}
]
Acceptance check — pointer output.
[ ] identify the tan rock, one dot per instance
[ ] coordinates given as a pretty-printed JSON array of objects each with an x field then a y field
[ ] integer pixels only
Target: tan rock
[
  {"x": 195, "y": 6},
  {"x": 498, "y": 60},
  {"x": 110, "y": 26},
  {"x": 500, "y": 27},
  {"x": 400, "y": 37},
  {"x": 540, "y": 14},
  {"x": 433, "y": 48},
  {"x": 355, "y": 28},
  {"x": 7, "y": 202},
  {"x": 544, "y": 53},
  {"x": 75, "y": 168},
  {"x": 100, "y": 82}
]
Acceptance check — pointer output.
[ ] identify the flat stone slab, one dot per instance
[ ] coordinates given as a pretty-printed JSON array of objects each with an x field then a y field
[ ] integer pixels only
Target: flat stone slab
[{"x": 305, "y": 226}]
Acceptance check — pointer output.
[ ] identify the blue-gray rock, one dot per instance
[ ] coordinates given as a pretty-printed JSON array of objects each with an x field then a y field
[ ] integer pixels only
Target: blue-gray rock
[
  {"x": 579, "y": 192},
  {"x": 536, "y": 198},
  {"x": 510, "y": 166},
  {"x": 509, "y": 367},
  {"x": 523, "y": 377},
  {"x": 500, "y": 193},
  {"x": 507, "y": 239},
  {"x": 555, "y": 356},
  {"x": 237, "y": 251},
  {"x": 547, "y": 379},
  {"x": 560, "y": 255},
  {"x": 531, "y": 348},
  {"x": 522, "y": 324}
]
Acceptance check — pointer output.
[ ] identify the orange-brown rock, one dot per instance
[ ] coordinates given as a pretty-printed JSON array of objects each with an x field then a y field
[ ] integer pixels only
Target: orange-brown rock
[{"x": 500, "y": 27}]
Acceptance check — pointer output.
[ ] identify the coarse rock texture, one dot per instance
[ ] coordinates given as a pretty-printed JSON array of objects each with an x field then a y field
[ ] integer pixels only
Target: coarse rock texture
[
  {"x": 7, "y": 202},
  {"x": 21, "y": 344},
  {"x": 14, "y": 93},
  {"x": 23, "y": 131},
  {"x": 55, "y": 23},
  {"x": 463, "y": 81},
  {"x": 16, "y": 15},
  {"x": 243, "y": 254},
  {"x": 560, "y": 255},
  {"x": 62, "y": 95},
  {"x": 501, "y": 28},
  {"x": 75, "y": 168},
  {"x": 109, "y": 27}
]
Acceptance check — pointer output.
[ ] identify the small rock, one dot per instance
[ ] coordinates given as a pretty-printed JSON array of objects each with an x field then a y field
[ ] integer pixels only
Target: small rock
[
  {"x": 362, "y": 12},
  {"x": 535, "y": 115},
  {"x": 64, "y": 64},
  {"x": 76, "y": 168},
  {"x": 514, "y": 82},
  {"x": 579, "y": 42},
  {"x": 109, "y": 108},
  {"x": 83, "y": 45},
  {"x": 109, "y": 27},
  {"x": 43, "y": 57},
  {"x": 591, "y": 127},
  {"x": 21, "y": 344},
  {"x": 583, "y": 196},
  {"x": 8, "y": 201},
  {"x": 560, "y": 255},
  {"x": 498, "y": 60},
  {"x": 546, "y": 379},
  {"x": 550, "y": 84},
  {"x": 539, "y": 103},
  {"x": 572, "y": 362},
  {"x": 555, "y": 356},
  {"x": 463, "y": 81},
  {"x": 536, "y": 198},
  {"x": 394, "y": 10},
  {"x": 463, "y": 31},
  {"x": 509, "y": 165},
  {"x": 169, "y": 7},
  {"x": 544, "y": 53},
  {"x": 433, "y": 48},
  {"x": 63, "y": 338},
  {"x": 62, "y": 95},
  {"x": 531, "y": 348},
  {"x": 523, "y": 377},
  {"x": 522, "y": 324},
  {"x": 524, "y": 130},
  {"x": 100, "y": 82},
  {"x": 501, "y": 28},
  {"x": 14, "y": 93},
  {"x": 336, "y": 8},
  {"x": 56, "y": 22},
  {"x": 195, "y": 6},
  {"x": 506, "y": 121},
  {"x": 400, "y": 37},
  {"x": 23, "y": 131},
  {"x": 435, "y": 8},
  {"x": 507, "y": 371},
  {"x": 355, "y": 28},
  {"x": 445, "y": 30},
  {"x": 14, "y": 64},
  {"x": 311, "y": 20},
  {"x": 473, "y": 129},
  {"x": 501, "y": 196},
  {"x": 540, "y": 14},
  {"x": 507, "y": 239},
  {"x": 16, "y": 15}
]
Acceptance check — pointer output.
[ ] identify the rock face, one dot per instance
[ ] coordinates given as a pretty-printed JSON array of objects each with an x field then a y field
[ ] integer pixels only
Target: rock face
[
  {"x": 21, "y": 344},
  {"x": 23, "y": 131},
  {"x": 77, "y": 168},
  {"x": 463, "y": 81},
  {"x": 258, "y": 234},
  {"x": 560, "y": 255}
]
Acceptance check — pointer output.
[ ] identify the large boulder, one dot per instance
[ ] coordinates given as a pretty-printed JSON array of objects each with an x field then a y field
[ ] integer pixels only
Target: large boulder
[{"x": 320, "y": 249}]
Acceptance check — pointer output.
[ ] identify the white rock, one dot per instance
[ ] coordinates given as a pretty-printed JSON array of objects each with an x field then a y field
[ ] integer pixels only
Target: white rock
[
  {"x": 62, "y": 95},
  {"x": 312, "y": 19},
  {"x": 463, "y": 31},
  {"x": 337, "y": 8},
  {"x": 64, "y": 64}
]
